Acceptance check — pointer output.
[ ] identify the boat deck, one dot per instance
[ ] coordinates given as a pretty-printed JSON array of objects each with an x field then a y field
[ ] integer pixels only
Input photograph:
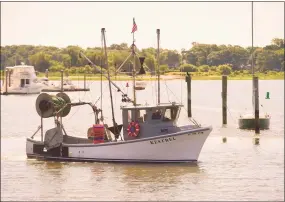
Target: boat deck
[{"x": 65, "y": 90}]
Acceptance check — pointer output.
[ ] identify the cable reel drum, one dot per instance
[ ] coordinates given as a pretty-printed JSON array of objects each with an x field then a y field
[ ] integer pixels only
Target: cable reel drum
[{"x": 47, "y": 105}]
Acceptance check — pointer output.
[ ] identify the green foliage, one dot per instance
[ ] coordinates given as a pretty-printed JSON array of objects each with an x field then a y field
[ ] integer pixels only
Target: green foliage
[
  {"x": 269, "y": 60},
  {"x": 278, "y": 42},
  {"x": 164, "y": 68},
  {"x": 188, "y": 68},
  {"x": 225, "y": 69},
  {"x": 55, "y": 66},
  {"x": 40, "y": 60},
  {"x": 204, "y": 68},
  {"x": 203, "y": 58}
]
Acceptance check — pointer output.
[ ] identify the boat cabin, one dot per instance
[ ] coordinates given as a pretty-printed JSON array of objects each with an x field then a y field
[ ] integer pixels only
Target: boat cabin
[
  {"x": 21, "y": 76},
  {"x": 151, "y": 120}
]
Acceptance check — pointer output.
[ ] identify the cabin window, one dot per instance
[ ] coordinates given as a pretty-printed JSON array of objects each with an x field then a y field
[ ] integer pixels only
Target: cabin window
[
  {"x": 137, "y": 115},
  {"x": 156, "y": 115},
  {"x": 27, "y": 81},
  {"x": 22, "y": 82},
  {"x": 129, "y": 115},
  {"x": 170, "y": 114},
  {"x": 143, "y": 116}
]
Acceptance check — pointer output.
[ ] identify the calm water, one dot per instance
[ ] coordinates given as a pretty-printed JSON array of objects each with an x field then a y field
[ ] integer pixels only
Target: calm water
[{"x": 236, "y": 170}]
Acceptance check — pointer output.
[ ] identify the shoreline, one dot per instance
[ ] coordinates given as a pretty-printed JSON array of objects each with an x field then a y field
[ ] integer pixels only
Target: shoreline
[
  {"x": 163, "y": 77},
  {"x": 166, "y": 77}
]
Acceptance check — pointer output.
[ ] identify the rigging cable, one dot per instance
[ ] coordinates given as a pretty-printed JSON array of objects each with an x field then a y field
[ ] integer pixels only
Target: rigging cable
[
  {"x": 167, "y": 91},
  {"x": 190, "y": 118},
  {"x": 181, "y": 84}
]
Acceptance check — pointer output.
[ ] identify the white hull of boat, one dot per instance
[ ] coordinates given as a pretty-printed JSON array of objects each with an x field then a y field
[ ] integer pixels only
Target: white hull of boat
[
  {"x": 65, "y": 87},
  {"x": 184, "y": 146},
  {"x": 23, "y": 90}
]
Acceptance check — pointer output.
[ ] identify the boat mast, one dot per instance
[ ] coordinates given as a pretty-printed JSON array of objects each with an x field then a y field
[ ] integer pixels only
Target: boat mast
[
  {"x": 158, "y": 70},
  {"x": 101, "y": 83},
  {"x": 110, "y": 89},
  {"x": 134, "y": 69}
]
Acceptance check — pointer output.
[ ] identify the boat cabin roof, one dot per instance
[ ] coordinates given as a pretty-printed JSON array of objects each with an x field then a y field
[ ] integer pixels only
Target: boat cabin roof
[
  {"x": 162, "y": 105},
  {"x": 21, "y": 67}
]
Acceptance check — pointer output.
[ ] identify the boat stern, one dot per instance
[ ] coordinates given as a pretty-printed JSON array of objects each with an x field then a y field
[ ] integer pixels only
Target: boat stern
[{"x": 34, "y": 148}]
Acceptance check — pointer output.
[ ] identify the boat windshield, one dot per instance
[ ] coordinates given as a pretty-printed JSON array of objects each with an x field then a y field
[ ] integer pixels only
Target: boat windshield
[{"x": 170, "y": 114}]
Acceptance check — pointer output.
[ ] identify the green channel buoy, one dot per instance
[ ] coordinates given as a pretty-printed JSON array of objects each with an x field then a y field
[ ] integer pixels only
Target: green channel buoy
[{"x": 267, "y": 95}]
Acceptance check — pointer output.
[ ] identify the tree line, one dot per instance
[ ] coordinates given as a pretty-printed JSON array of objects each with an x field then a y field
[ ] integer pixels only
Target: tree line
[{"x": 200, "y": 57}]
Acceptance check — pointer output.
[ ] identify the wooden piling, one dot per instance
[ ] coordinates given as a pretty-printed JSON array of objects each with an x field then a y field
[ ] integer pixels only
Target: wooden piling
[
  {"x": 6, "y": 78},
  {"x": 84, "y": 80},
  {"x": 224, "y": 97},
  {"x": 256, "y": 104},
  {"x": 61, "y": 80},
  {"x": 188, "y": 80},
  {"x": 9, "y": 73}
]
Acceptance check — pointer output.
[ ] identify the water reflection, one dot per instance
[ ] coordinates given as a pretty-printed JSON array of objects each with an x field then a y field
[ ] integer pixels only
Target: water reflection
[
  {"x": 158, "y": 173},
  {"x": 46, "y": 169},
  {"x": 238, "y": 169}
]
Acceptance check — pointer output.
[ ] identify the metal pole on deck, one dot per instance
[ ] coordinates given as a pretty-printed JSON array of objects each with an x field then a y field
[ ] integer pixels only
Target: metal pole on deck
[
  {"x": 158, "y": 67},
  {"x": 42, "y": 130},
  {"x": 188, "y": 80}
]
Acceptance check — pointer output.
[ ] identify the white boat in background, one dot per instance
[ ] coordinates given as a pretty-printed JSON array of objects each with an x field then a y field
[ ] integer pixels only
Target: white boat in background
[
  {"x": 49, "y": 86},
  {"x": 148, "y": 133},
  {"x": 21, "y": 79},
  {"x": 140, "y": 85}
]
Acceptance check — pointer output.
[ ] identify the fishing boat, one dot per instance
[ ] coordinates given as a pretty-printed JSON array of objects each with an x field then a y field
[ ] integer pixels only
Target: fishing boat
[
  {"x": 148, "y": 133},
  {"x": 21, "y": 79}
]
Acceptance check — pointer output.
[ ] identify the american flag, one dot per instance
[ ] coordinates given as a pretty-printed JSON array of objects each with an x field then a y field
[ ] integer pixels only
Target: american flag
[{"x": 135, "y": 28}]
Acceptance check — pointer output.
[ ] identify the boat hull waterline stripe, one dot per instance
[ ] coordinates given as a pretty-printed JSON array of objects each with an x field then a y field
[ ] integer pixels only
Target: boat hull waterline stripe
[{"x": 106, "y": 160}]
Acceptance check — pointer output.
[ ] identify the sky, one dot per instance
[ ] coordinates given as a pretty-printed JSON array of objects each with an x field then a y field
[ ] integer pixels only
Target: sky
[{"x": 79, "y": 23}]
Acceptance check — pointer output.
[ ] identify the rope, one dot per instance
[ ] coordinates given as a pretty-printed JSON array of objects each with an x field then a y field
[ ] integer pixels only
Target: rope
[
  {"x": 231, "y": 115},
  {"x": 181, "y": 85},
  {"x": 77, "y": 107},
  {"x": 167, "y": 91}
]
